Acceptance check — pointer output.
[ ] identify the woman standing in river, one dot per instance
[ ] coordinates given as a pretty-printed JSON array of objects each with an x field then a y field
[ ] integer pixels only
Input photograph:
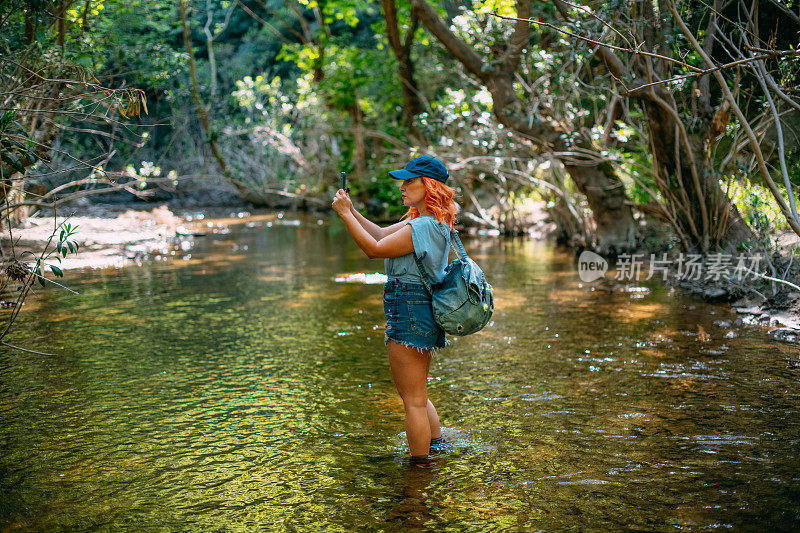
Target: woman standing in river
[{"x": 411, "y": 332}]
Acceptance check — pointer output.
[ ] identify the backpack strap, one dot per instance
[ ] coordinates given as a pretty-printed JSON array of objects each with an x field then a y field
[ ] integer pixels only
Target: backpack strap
[
  {"x": 461, "y": 249},
  {"x": 422, "y": 273},
  {"x": 459, "y": 252}
]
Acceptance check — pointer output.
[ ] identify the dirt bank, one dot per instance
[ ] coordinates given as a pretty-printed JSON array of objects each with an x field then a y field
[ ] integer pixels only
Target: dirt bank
[
  {"x": 109, "y": 235},
  {"x": 114, "y": 235}
]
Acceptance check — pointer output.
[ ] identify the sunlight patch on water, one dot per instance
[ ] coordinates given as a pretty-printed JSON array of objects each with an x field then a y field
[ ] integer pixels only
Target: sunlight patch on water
[{"x": 361, "y": 277}]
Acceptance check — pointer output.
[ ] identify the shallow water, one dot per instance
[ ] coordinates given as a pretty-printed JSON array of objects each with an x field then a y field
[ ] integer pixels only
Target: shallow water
[{"x": 245, "y": 387}]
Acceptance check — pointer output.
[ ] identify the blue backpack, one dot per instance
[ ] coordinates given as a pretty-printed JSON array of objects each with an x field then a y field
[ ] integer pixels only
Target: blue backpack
[{"x": 463, "y": 301}]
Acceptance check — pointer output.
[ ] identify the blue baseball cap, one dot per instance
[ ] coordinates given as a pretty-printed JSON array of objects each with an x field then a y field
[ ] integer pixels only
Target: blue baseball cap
[{"x": 424, "y": 165}]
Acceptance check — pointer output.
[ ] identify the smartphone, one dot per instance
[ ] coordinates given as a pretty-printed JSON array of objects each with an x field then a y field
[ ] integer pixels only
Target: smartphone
[{"x": 344, "y": 182}]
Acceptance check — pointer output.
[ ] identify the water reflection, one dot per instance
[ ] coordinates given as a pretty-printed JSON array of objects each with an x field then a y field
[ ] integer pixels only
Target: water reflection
[
  {"x": 411, "y": 509},
  {"x": 248, "y": 387}
]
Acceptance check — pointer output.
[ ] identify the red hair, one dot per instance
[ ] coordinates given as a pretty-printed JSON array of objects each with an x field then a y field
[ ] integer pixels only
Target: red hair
[{"x": 438, "y": 200}]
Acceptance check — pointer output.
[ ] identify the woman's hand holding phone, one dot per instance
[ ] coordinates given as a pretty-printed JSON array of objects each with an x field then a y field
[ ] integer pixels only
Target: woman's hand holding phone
[{"x": 341, "y": 202}]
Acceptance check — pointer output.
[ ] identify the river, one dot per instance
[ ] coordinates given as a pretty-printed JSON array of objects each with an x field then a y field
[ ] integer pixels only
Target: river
[{"x": 238, "y": 385}]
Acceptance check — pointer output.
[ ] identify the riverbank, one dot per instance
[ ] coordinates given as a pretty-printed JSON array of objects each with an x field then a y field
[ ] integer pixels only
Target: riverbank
[
  {"x": 108, "y": 235},
  {"x": 760, "y": 284},
  {"x": 770, "y": 298}
]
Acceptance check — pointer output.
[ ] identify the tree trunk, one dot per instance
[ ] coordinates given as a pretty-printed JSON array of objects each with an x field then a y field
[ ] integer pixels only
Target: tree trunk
[
  {"x": 359, "y": 147},
  {"x": 606, "y": 196},
  {"x": 30, "y": 32},
  {"x": 61, "y": 22},
  {"x": 702, "y": 215},
  {"x": 723, "y": 225},
  {"x": 244, "y": 191},
  {"x": 402, "y": 51}
]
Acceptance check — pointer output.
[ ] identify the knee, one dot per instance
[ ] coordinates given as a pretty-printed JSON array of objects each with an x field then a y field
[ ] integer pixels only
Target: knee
[{"x": 411, "y": 401}]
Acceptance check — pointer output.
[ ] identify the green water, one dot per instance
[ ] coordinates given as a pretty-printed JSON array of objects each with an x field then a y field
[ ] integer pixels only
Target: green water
[{"x": 243, "y": 388}]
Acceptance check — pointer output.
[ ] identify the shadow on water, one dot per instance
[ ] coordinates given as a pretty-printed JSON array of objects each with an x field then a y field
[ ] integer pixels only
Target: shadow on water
[{"x": 242, "y": 385}]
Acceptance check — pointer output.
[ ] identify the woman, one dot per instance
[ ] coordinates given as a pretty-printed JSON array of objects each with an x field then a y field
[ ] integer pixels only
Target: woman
[{"x": 411, "y": 333}]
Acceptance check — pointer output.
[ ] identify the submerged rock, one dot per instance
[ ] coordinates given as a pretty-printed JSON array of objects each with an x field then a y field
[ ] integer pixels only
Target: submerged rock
[
  {"x": 784, "y": 334},
  {"x": 715, "y": 294}
]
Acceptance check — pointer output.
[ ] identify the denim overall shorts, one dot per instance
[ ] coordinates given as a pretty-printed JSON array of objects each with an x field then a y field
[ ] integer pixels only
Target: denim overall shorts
[{"x": 409, "y": 316}]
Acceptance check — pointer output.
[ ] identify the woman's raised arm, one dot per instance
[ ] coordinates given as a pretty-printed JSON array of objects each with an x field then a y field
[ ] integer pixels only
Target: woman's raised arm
[
  {"x": 373, "y": 229},
  {"x": 397, "y": 244}
]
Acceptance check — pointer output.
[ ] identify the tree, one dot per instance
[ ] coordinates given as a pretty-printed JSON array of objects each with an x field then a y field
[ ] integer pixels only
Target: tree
[
  {"x": 412, "y": 106},
  {"x": 594, "y": 176},
  {"x": 641, "y": 46},
  {"x": 45, "y": 87}
]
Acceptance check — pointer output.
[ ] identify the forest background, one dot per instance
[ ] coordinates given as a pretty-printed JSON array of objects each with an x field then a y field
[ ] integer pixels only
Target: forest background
[{"x": 663, "y": 126}]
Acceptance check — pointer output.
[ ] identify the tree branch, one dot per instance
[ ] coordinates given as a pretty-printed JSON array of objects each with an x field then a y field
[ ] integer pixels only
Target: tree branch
[
  {"x": 776, "y": 193},
  {"x": 461, "y": 50}
]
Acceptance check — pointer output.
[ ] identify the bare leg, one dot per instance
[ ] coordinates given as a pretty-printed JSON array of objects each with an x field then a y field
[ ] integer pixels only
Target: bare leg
[
  {"x": 433, "y": 421},
  {"x": 433, "y": 416},
  {"x": 410, "y": 371}
]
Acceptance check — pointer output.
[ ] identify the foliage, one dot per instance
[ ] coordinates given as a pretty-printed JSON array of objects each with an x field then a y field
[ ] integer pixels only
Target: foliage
[
  {"x": 757, "y": 205},
  {"x": 304, "y": 85}
]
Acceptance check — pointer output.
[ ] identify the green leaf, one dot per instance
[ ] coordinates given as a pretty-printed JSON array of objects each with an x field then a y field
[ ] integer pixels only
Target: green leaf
[
  {"x": 23, "y": 149},
  {"x": 39, "y": 275},
  {"x": 71, "y": 249},
  {"x": 57, "y": 271},
  {"x": 12, "y": 160},
  {"x": 6, "y": 117}
]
